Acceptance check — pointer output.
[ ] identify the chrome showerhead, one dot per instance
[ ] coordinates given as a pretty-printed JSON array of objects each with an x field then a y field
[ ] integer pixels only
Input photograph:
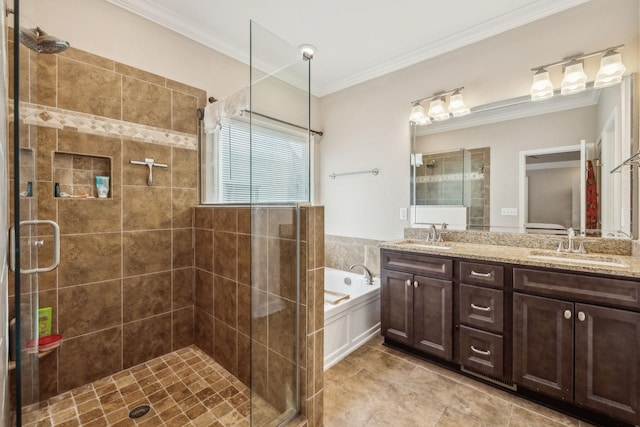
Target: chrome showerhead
[{"x": 39, "y": 41}]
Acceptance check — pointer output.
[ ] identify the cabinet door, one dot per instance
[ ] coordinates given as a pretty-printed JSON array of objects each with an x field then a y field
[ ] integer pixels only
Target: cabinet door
[
  {"x": 607, "y": 345},
  {"x": 433, "y": 320},
  {"x": 397, "y": 306},
  {"x": 543, "y": 345}
]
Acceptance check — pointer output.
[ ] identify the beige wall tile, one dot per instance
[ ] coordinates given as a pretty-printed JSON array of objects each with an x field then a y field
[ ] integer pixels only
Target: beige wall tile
[
  {"x": 225, "y": 346},
  {"x": 88, "y": 258},
  {"x": 204, "y": 291},
  {"x": 146, "y": 296},
  {"x": 226, "y": 219},
  {"x": 145, "y": 339},
  {"x": 146, "y": 103},
  {"x": 282, "y": 328},
  {"x": 182, "y": 202},
  {"x": 146, "y": 252},
  {"x": 88, "y": 58},
  {"x": 89, "y": 216},
  {"x": 204, "y": 249},
  {"x": 183, "y": 288},
  {"x": 184, "y": 116},
  {"x": 182, "y": 328},
  {"x": 203, "y": 331},
  {"x": 89, "y": 357},
  {"x": 184, "y": 170},
  {"x": 89, "y": 89},
  {"x": 225, "y": 246},
  {"x": 139, "y": 74},
  {"x": 225, "y": 300},
  {"x": 44, "y": 79},
  {"x": 146, "y": 208},
  {"x": 182, "y": 247},
  {"x": 89, "y": 308},
  {"x": 204, "y": 217}
]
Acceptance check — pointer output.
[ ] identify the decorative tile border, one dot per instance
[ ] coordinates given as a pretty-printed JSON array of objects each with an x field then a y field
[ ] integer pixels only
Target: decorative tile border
[
  {"x": 39, "y": 115},
  {"x": 473, "y": 176}
]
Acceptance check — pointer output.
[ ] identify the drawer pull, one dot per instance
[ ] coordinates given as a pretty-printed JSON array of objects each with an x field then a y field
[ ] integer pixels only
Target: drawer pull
[
  {"x": 485, "y": 275},
  {"x": 581, "y": 316},
  {"x": 480, "y": 308},
  {"x": 408, "y": 282},
  {"x": 567, "y": 314},
  {"x": 416, "y": 284},
  {"x": 482, "y": 352}
]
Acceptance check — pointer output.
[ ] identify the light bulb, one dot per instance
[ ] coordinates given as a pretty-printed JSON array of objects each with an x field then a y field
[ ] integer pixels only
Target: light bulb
[
  {"x": 437, "y": 111},
  {"x": 541, "y": 88},
  {"x": 575, "y": 80},
  {"x": 611, "y": 70},
  {"x": 456, "y": 105}
]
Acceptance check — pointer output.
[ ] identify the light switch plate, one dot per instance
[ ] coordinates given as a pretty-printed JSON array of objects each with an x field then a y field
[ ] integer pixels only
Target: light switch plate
[
  {"x": 509, "y": 212},
  {"x": 403, "y": 213}
]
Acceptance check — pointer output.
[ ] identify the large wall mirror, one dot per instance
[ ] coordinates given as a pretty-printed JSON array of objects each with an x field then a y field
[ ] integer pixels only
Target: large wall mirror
[{"x": 534, "y": 167}]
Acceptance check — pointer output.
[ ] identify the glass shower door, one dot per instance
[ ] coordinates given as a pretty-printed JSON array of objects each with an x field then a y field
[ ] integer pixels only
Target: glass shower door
[
  {"x": 279, "y": 122},
  {"x": 33, "y": 243}
]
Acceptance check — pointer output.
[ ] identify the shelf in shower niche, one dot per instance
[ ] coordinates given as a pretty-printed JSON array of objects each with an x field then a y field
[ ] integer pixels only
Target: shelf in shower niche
[{"x": 75, "y": 175}]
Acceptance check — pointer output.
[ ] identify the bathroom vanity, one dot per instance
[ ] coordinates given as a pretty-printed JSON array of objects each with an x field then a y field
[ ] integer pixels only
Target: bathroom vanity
[{"x": 561, "y": 331}]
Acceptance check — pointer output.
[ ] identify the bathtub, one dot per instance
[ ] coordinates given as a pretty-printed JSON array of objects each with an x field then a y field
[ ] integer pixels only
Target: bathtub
[{"x": 351, "y": 322}]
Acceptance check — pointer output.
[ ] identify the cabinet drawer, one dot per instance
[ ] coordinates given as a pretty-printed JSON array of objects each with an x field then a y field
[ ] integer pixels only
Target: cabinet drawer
[
  {"x": 417, "y": 264},
  {"x": 481, "y": 307},
  {"x": 482, "y": 274},
  {"x": 624, "y": 293},
  {"x": 481, "y": 351}
]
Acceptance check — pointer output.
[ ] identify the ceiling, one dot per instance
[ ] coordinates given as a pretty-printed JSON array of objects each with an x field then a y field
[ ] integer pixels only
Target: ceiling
[{"x": 356, "y": 40}]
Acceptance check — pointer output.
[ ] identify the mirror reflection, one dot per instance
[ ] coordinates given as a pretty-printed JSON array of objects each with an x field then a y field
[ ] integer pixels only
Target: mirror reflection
[{"x": 534, "y": 167}]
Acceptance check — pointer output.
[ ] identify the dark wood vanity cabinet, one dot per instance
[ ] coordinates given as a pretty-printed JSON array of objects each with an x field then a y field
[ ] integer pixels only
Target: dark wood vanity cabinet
[
  {"x": 569, "y": 336},
  {"x": 416, "y": 308},
  {"x": 480, "y": 303},
  {"x": 576, "y": 351}
]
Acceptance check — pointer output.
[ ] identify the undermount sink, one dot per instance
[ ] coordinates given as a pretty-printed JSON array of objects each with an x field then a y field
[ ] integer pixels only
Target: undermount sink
[
  {"x": 575, "y": 258},
  {"x": 424, "y": 245}
]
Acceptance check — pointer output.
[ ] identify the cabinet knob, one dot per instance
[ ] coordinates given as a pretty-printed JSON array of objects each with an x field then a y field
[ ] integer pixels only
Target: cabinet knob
[
  {"x": 407, "y": 282},
  {"x": 567, "y": 314},
  {"x": 581, "y": 316},
  {"x": 416, "y": 284}
]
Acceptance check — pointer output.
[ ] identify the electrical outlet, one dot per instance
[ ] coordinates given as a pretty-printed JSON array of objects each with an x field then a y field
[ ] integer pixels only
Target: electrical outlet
[
  {"x": 509, "y": 212},
  {"x": 403, "y": 213}
]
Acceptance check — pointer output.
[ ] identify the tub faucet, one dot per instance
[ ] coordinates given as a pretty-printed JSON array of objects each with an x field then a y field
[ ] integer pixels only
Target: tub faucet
[{"x": 367, "y": 273}]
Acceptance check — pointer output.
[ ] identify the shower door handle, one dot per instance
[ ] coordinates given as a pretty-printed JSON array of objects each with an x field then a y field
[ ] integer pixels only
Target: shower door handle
[{"x": 56, "y": 247}]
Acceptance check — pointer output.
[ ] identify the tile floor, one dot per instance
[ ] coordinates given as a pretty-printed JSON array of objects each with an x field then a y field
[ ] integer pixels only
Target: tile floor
[
  {"x": 183, "y": 388},
  {"x": 380, "y": 386}
]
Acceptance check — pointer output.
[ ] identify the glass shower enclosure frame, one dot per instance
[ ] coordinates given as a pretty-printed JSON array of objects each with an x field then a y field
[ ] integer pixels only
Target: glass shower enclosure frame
[{"x": 279, "y": 94}]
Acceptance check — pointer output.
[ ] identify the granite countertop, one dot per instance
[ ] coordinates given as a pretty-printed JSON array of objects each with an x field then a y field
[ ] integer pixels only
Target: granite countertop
[{"x": 630, "y": 267}]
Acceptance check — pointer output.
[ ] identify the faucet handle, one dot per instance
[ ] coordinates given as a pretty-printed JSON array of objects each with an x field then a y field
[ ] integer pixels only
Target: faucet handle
[
  {"x": 561, "y": 247},
  {"x": 581, "y": 249}
]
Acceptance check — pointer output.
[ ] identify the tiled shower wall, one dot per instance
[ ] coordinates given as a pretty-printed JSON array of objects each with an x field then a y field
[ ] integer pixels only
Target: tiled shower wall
[
  {"x": 123, "y": 293},
  {"x": 240, "y": 263}
]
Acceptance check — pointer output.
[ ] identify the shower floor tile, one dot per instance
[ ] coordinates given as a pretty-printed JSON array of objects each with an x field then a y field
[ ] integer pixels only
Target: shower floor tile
[{"x": 183, "y": 388}]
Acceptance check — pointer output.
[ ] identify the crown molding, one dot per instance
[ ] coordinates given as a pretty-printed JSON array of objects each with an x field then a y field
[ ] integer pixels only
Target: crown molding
[
  {"x": 205, "y": 36},
  {"x": 505, "y": 22}
]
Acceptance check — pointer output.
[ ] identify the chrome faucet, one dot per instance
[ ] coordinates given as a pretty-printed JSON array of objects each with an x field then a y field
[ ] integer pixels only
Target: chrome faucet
[
  {"x": 431, "y": 234},
  {"x": 368, "y": 277},
  {"x": 571, "y": 246}
]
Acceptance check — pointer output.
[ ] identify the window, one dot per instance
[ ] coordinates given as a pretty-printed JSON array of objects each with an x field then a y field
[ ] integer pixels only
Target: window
[{"x": 273, "y": 168}]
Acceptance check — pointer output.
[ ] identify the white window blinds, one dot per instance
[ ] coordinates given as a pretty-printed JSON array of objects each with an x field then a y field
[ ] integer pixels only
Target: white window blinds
[{"x": 272, "y": 168}]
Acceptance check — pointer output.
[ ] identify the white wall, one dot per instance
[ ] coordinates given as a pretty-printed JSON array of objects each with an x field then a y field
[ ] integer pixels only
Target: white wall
[
  {"x": 367, "y": 125},
  {"x": 101, "y": 28}
]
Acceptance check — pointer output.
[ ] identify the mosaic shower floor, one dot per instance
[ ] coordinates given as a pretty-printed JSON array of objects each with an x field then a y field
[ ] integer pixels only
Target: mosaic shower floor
[{"x": 183, "y": 388}]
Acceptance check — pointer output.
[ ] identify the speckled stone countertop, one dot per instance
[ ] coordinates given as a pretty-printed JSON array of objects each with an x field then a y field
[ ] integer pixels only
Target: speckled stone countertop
[{"x": 523, "y": 256}]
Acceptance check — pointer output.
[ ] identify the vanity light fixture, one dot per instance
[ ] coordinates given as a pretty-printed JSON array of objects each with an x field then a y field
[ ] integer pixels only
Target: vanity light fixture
[
  {"x": 437, "y": 110},
  {"x": 611, "y": 69},
  {"x": 456, "y": 105},
  {"x": 575, "y": 79},
  {"x": 542, "y": 88}
]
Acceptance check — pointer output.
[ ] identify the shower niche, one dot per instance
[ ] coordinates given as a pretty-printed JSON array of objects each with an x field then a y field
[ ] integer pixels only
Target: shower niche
[
  {"x": 456, "y": 178},
  {"x": 75, "y": 174}
]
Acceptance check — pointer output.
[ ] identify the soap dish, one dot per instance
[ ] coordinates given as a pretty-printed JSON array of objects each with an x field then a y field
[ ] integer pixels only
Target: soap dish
[{"x": 45, "y": 343}]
